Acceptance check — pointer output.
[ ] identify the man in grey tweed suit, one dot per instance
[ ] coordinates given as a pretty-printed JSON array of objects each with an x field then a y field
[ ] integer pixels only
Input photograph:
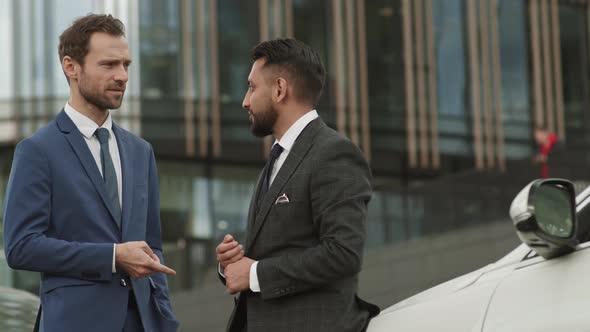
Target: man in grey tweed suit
[{"x": 298, "y": 268}]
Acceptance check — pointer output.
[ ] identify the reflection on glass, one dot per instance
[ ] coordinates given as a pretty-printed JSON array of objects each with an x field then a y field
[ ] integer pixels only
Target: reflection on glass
[
  {"x": 160, "y": 52},
  {"x": 386, "y": 67},
  {"x": 238, "y": 28},
  {"x": 574, "y": 64},
  {"x": 386, "y": 83},
  {"x": 553, "y": 211},
  {"x": 161, "y": 76},
  {"x": 231, "y": 191},
  {"x": 514, "y": 66},
  {"x": 316, "y": 33},
  {"x": 451, "y": 61},
  {"x": 387, "y": 220}
]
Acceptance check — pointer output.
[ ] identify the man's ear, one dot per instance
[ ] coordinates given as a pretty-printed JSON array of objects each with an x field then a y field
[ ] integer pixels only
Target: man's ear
[
  {"x": 280, "y": 90},
  {"x": 70, "y": 67}
]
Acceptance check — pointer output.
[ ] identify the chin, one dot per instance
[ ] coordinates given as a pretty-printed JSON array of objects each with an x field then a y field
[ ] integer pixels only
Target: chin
[{"x": 115, "y": 105}]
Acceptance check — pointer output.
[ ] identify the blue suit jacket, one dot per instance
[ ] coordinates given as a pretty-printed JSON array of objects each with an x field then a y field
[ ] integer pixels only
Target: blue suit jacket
[{"x": 57, "y": 222}]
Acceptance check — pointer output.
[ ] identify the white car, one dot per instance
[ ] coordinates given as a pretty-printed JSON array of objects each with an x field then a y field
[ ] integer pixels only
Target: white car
[{"x": 542, "y": 285}]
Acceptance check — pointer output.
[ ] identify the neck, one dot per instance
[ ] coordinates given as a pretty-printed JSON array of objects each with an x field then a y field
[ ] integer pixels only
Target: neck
[
  {"x": 288, "y": 117},
  {"x": 80, "y": 104}
]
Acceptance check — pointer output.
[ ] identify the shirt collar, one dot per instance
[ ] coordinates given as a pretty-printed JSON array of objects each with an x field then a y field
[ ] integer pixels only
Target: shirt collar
[
  {"x": 84, "y": 124},
  {"x": 293, "y": 132}
]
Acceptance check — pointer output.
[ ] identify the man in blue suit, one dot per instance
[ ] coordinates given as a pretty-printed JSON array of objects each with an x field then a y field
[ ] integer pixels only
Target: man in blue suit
[{"x": 82, "y": 203}]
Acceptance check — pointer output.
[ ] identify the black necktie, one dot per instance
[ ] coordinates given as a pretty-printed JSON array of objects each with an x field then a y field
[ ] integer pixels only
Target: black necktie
[
  {"x": 108, "y": 173},
  {"x": 275, "y": 152}
]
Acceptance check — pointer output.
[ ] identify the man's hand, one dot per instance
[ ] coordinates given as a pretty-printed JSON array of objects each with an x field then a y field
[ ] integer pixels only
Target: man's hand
[
  {"x": 237, "y": 275},
  {"x": 138, "y": 260},
  {"x": 229, "y": 251}
]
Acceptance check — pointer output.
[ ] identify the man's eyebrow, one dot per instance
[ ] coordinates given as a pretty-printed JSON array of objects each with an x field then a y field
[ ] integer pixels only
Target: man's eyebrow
[{"x": 111, "y": 60}]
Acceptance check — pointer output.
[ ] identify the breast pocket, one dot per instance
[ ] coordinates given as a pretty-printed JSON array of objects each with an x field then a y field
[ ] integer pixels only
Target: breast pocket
[
  {"x": 292, "y": 218},
  {"x": 139, "y": 210},
  {"x": 140, "y": 194}
]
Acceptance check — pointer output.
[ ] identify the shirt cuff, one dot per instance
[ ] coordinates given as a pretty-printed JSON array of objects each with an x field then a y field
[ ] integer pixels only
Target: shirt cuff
[
  {"x": 220, "y": 270},
  {"x": 114, "y": 268},
  {"x": 254, "y": 285}
]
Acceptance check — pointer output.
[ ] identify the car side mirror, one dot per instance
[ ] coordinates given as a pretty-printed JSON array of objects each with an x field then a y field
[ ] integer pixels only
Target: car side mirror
[{"x": 545, "y": 217}]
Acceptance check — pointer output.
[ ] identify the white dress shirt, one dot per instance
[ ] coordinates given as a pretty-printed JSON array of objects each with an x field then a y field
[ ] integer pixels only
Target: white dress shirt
[
  {"x": 286, "y": 142},
  {"x": 88, "y": 127}
]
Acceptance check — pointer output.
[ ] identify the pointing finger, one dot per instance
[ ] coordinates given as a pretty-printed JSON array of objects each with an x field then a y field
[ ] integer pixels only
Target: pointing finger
[{"x": 157, "y": 267}]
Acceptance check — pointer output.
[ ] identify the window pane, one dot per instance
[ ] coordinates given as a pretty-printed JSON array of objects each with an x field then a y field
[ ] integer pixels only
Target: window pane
[
  {"x": 238, "y": 28},
  {"x": 574, "y": 65},
  {"x": 514, "y": 43},
  {"x": 387, "y": 85}
]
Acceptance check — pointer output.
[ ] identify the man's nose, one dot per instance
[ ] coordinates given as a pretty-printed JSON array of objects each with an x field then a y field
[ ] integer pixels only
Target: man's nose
[
  {"x": 121, "y": 74},
  {"x": 246, "y": 103}
]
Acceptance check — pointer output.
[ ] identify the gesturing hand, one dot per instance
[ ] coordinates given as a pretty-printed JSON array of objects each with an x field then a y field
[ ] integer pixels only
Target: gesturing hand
[
  {"x": 229, "y": 251},
  {"x": 138, "y": 260}
]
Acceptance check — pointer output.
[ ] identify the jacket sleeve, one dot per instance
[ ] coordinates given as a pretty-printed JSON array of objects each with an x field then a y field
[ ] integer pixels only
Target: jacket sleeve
[
  {"x": 154, "y": 235},
  {"x": 340, "y": 188},
  {"x": 27, "y": 214}
]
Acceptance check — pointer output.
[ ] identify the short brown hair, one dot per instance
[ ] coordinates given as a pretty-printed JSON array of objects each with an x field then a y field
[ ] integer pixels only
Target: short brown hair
[{"x": 75, "y": 40}]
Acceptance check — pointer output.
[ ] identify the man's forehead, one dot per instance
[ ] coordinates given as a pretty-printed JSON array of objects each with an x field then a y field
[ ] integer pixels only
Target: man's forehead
[
  {"x": 257, "y": 66},
  {"x": 109, "y": 45},
  {"x": 262, "y": 69}
]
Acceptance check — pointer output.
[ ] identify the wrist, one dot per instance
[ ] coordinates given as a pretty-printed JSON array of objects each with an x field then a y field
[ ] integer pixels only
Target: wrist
[{"x": 119, "y": 253}]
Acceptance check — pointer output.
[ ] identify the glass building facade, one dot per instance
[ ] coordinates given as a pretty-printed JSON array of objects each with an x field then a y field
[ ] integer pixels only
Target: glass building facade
[{"x": 428, "y": 89}]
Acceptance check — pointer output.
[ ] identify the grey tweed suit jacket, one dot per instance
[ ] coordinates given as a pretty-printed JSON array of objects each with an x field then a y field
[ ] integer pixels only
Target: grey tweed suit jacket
[{"x": 309, "y": 249}]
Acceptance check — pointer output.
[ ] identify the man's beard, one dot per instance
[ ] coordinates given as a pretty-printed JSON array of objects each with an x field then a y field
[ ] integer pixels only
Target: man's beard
[
  {"x": 95, "y": 98},
  {"x": 263, "y": 122}
]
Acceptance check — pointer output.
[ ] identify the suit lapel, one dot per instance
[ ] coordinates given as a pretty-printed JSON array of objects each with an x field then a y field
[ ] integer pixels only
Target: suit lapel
[
  {"x": 76, "y": 140},
  {"x": 127, "y": 176},
  {"x": 252, "y": 209},
  {"x": 296, "y": 155}
]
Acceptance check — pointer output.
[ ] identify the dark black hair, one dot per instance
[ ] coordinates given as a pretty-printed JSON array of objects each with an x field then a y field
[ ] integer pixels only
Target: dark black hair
[{"x": 302, "y": 64}]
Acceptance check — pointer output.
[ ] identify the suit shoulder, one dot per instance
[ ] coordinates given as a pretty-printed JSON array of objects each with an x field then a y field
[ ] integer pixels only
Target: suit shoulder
[
  {"x": 40, "y": 138},
  {"x": 134, "y": 139},
  {"x": 336, "y": 154},
  {"x": 331, "y": 140}
]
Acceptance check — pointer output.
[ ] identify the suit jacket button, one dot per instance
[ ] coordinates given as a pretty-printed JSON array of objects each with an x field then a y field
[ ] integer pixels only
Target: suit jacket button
[{"x": 123, "y": 282}]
